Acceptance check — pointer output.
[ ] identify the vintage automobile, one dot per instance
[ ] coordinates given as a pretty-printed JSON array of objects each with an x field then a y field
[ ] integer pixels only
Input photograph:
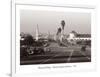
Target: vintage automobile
[{"x": 38, "y": 47}]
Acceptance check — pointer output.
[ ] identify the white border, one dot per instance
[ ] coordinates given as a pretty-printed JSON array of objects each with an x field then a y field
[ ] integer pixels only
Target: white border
[{"x": 28, "y": 70}]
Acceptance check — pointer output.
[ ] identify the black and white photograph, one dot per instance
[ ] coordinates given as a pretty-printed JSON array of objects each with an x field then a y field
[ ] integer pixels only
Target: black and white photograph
[
  {"x": 50, "y": 38},
  {"x": 54, "y": 37}
]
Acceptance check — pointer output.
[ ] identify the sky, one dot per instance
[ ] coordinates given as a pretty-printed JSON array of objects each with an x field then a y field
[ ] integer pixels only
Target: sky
[{"x": 49, "y": 21}]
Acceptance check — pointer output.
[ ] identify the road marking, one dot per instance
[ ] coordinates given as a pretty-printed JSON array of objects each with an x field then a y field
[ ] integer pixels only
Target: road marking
[
  {"x": 70, "y": 56},
  {"x": 85, "y": 55}
]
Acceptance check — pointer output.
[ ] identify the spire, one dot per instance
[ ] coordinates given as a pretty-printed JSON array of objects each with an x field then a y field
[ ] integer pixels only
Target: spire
[{"x": 37, "y": 33}]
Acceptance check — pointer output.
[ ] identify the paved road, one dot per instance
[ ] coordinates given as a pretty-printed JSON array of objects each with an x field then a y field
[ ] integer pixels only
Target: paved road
[{"x": 59, "y": 54}]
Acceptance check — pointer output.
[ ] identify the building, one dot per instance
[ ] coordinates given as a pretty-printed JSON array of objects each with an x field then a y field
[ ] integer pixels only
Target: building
[{"x": 73, "y": 37}]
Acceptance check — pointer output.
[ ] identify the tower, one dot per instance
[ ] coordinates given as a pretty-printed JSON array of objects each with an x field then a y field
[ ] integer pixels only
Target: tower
[{"x": 37, "y": 33}]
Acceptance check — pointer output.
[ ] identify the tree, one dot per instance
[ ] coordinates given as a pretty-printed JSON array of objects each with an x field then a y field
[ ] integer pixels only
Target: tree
[
  {"x": 63, "y": 24},
  {"x": 59, "y": 31},
  {"x": 28, "y": 40}
]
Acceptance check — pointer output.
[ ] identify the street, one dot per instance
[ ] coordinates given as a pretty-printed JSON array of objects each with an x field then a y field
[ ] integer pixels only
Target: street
[{"x": 58, "y": 54}]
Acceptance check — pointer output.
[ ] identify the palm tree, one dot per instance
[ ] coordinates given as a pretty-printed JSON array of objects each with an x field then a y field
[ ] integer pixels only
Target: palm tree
[
  {"x": 63, "y": 24},
  {"x": 59, "y": 31},
  {"x": 62, "y": 33}
]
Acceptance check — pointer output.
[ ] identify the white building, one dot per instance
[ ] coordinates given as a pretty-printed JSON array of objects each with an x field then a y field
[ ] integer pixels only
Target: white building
[{"x": 73, "y": 37}]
